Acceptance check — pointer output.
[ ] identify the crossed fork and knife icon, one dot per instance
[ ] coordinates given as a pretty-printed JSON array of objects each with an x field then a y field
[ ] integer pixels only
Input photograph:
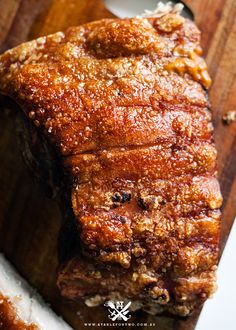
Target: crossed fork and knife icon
[{"x": 118, "y": 314}]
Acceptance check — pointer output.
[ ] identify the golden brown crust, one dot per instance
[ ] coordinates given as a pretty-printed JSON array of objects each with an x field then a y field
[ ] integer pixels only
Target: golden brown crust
[{"x": 124, "y": 103}]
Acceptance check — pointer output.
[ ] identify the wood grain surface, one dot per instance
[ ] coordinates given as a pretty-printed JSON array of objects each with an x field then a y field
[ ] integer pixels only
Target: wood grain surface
[{"x": 29, "y": 221}]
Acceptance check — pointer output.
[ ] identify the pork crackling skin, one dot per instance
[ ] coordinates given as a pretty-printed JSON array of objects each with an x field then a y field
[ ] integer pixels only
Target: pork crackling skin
[{"x": 124, "y": 104}]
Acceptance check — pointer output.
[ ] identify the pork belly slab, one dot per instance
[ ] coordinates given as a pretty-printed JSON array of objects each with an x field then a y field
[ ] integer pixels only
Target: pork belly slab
[{"x": 124, "y": 104}]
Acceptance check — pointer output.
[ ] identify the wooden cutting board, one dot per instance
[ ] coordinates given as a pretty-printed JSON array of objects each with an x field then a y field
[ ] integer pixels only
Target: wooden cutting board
[{"x": 29, "y": 221}]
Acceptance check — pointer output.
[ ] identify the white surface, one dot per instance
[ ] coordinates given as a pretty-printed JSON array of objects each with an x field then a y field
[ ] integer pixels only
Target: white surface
[
  {"x": 130, "y": 8},
  {"x": 219, "y": 313},
  {"x": 29, "y": 306}
]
